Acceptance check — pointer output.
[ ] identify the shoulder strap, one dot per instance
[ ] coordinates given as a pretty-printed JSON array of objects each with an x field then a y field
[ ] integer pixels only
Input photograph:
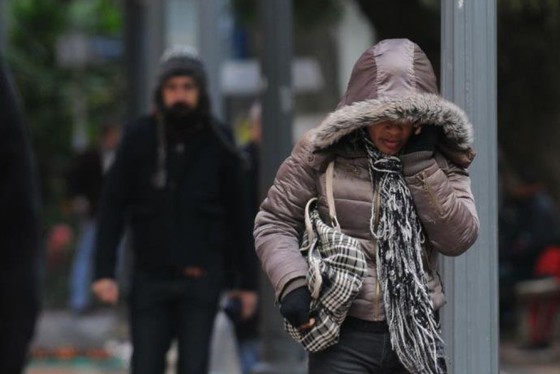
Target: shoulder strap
[
  {"x": 330, "y": 196},
  {"x": 330, "y": 203}
]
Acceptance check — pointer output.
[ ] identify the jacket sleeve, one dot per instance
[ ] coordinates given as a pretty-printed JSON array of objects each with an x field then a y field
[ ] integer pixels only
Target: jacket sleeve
[
  {"x": 444, "y": 202},
  {"x": 280, "y": 221},
  {"x": 112, "y": 211},
  {"x": 239, "y": 219}
]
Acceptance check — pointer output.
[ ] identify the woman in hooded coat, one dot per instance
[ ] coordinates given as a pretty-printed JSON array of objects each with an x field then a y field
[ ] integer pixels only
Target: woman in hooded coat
[{"x": 401, "y": 187}]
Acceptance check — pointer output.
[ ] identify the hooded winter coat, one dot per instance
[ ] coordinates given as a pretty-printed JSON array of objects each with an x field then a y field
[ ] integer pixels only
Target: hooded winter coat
[{"x": 391, "y": 81}]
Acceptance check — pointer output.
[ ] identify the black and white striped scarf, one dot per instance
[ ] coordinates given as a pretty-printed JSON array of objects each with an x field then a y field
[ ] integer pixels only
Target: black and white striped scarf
[{"x": 415, "y": 333}]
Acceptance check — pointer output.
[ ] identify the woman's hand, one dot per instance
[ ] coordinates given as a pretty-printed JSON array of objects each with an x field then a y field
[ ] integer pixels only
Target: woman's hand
[
  {"x": 295, "y": 308},
  {"x": 423, "y": 139}
]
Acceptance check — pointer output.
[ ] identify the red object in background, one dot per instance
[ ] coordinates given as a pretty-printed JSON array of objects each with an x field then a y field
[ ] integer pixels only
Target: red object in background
[
  {"x": 548, "y": 263},
  {"x": 59, "y": 240},
  {"x": 60, "y": 237},
  {"x": 543, "y": 313}
]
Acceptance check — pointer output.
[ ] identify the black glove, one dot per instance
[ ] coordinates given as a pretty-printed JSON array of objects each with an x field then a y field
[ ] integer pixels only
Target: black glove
[
  {"x": 295, "y": 306},
  {"x": 425, "y": 141}
]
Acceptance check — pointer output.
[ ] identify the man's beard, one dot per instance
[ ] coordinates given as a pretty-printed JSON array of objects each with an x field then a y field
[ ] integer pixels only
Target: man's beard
[
  {"x": 181, "y": 115},
  {"x": 182, "y": 121}
]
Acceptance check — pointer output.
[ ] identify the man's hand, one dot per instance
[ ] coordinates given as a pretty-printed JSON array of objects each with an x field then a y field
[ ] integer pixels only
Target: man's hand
[
  {"x": 106, "y": 290},
  {"x": 249, "y": 302}
]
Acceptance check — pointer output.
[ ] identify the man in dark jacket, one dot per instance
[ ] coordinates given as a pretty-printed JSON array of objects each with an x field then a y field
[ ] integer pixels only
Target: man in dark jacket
[
  {"x": 177, "y": 181},
  {"x": 19, "y": 235}
]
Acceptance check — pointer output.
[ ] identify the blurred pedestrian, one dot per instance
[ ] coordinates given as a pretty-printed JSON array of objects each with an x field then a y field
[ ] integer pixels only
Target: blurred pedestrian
[
  {"x": 251, "y": 152},
  {"x": 85, "y": 181},
  {"x": 177, "y": 181},
  {"x": 529, "y": 222},
  {"x": 247, "y": 328},
  {"x": 19, "y": 234},
  {"x": 401, "y": 188}
]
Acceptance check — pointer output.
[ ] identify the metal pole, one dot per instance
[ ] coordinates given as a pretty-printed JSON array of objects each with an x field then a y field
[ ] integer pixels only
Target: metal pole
[
  {"x": 153, "y": 46},
  {"x": 470, "y": 320},
  {"x": 280, "y": 354},
  {"x": 134, "y": 24},
  {"x": 211, "y": 50},
  {"x": 3, "y": 25},
  {"x": 145, "y": 41}
]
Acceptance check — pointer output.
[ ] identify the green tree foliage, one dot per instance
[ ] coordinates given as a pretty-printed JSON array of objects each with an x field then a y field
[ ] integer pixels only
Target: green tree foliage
[
  {"x": 48, "y": 93},
  {"x": 99, "y": 17},
  {"x": 47, "y": 89},
  {"x": 36, "y": 26}
]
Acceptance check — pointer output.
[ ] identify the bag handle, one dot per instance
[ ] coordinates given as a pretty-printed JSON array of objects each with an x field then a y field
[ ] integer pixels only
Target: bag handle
[
  {"x": 330, "y": 203},
  {"x": 330, "y": 196},
  {"x": 309, "y": 225},
  {"x": 314, "y": 288}
]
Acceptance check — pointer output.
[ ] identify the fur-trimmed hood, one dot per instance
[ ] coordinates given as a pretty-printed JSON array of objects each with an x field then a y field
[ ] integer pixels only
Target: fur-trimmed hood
[{"x": 394, "y": 81}]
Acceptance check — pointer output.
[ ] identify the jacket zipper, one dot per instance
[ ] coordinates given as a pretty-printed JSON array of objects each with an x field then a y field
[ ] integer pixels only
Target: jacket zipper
[
  {"x": 377, "y": 296},
  {"x": 434, "y": 203}
]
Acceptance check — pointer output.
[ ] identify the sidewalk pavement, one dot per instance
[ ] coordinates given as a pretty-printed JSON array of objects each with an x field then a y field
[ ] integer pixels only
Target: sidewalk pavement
[
  {"x": 515, "y": 360},
  {"x": 97, "y": 343}
]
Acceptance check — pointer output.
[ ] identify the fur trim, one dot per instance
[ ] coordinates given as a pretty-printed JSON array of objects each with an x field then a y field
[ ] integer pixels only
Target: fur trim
[{"x": 418, "y": 108}]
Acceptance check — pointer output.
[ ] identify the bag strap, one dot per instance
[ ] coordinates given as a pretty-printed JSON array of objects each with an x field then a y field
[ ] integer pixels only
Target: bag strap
[
  {"x": 330, "y": 196},
  {"x": 315, "y": 288},
  {"x": 330, "y": 203},
  {"x": 309, "y": 224}
]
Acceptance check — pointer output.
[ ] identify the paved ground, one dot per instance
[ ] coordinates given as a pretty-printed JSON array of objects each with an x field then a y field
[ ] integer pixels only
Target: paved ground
[
  {"x": 97, "y": 343},
  {"x": 520, "y": 361}
]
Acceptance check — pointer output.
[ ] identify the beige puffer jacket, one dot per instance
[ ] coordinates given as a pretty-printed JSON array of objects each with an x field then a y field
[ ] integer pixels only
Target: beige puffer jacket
[{"x": 391, "y": 81}]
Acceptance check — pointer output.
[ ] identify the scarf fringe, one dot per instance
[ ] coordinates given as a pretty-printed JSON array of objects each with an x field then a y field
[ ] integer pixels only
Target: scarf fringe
[{"x": 415, "y": 334}]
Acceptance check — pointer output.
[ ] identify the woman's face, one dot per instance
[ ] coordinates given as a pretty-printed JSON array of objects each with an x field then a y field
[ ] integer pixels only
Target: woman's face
[{"x": 390, "y": 137}]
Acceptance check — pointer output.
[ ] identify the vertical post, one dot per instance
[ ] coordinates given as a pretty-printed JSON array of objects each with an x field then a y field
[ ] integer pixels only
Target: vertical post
[
  {"x": 211, "y": 50},
  {"x": 280, "y": 353},
  {"x": 134, "y": 24},
  {"x": 153, "y": 46},
  {"x": 144, "y": 38},
  {"x": 470, "y": 320},
  {"x": 3, "y": 25}
]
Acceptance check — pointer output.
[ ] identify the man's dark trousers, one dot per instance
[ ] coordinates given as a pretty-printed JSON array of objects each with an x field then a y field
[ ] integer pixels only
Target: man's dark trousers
[{"x": 169, "y": 305}]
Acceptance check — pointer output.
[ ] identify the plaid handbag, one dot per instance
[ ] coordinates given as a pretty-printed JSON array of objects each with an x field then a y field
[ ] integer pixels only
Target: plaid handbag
[{"x": 336, "y": 269}]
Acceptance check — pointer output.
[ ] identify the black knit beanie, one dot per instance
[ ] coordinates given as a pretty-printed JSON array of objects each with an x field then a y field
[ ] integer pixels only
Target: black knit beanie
[{"x": 181, "y": 60}]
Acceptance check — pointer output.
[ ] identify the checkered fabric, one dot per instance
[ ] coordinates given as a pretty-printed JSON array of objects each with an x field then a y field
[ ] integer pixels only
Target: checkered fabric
[{"x": 336, "y": 269}]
